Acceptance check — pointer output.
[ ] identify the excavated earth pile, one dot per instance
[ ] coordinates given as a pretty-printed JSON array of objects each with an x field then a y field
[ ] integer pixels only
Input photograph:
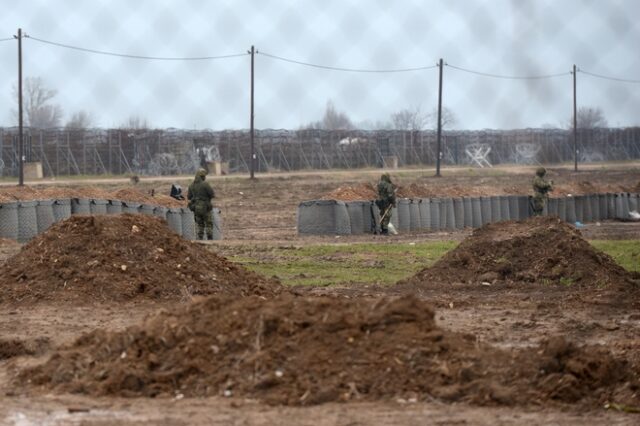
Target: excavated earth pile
[
  {"x": 121, "y": 257},
  {"x": 309, "y": 350},
  {"x": 543, "y": 250}
]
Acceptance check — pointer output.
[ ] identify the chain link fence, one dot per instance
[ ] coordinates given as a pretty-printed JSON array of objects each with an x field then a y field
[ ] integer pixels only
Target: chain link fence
[{"x": 155, "y": 88}]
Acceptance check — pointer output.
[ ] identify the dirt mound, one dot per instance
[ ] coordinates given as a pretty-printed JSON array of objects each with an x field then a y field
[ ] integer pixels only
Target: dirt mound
[
  {"x": 137, "y": 196},
  {"x": 541, "y": 250},
  {"x": 305, "y": 350},
  {"x": 10, "y": 194},
  {"x": 361, "y": 192},
  {"x": 10, "y": 348},
  {"x": 122, "y": 257}
]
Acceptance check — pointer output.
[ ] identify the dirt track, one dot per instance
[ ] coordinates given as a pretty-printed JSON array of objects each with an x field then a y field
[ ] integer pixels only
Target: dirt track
[{"x": 263, "y": 212}]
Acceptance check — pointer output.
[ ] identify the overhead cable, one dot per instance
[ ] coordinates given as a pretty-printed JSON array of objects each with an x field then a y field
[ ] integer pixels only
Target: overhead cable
[
  {"x": 604, "y": 77},
  {"x": 129, "y": 56},
  {"x": 356, "y": 70},
  {"x": 510, "y": 77}
]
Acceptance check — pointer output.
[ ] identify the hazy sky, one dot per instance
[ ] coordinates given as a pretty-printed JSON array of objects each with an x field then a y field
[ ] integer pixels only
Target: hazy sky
[{"x": 505, "y": 37}]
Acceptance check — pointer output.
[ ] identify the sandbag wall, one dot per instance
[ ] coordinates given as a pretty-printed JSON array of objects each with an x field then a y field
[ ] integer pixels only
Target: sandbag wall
[
  {"x": 331, "y": 217},
  {"x": 23, "y": 220}
]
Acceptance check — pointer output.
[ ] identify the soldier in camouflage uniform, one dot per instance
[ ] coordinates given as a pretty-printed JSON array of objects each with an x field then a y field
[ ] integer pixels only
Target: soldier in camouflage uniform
[
  {"x": 386, "y": 200},
  {"x": 540, "y": 189},
  {"x": 199, "y": 195}
]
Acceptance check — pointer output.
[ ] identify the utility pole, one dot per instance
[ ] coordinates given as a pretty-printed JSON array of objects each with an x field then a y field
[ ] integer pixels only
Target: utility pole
[
  {"x": 439, "y": 138},
  {"x": 20, "y": 137},
  {"x": 575, "y": 123},
  {"x": 252, "y": 131}
]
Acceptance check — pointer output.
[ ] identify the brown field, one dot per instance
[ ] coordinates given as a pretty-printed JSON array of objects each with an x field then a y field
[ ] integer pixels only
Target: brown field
[{"x": 262, "y": 213}]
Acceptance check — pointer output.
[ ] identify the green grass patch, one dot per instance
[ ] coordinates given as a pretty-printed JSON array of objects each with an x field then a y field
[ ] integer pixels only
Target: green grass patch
[
  {"x": 323, "y": 265},
  {"x": 625, "y": 252},
  {"x": 372, "y": 263}
]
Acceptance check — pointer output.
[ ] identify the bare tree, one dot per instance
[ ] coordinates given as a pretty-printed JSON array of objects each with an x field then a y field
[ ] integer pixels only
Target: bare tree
[
  {"x": 39, "y": 110},
  {"x": 449, "y": 119},
  {"x": 409, "y": 119},
  {"x": 135, "y": 122},
  {"x": 332, "y": 120},
  {"x": 79, "y": 120},
  {"x": 589, "y": 118}
]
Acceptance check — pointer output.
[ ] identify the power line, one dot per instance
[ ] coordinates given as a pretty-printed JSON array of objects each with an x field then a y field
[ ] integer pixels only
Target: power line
[
  {"x": 362, "y": 70},
  {"x": 7, "y": 39},
  {"x": 124, "y": 55},
  {"x": 510, "y": 77},
  {"x": 604, "y": 77}
]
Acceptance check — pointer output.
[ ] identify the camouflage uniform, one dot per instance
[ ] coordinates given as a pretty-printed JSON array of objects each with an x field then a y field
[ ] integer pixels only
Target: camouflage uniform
[
  {"x": 386, "y": 200},
  {"x": 199, "y": 195},
  {"x": 540, "y": 189}
]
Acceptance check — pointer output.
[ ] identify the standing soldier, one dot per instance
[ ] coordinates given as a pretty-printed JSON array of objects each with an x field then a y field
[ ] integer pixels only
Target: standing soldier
[
  {"x": 386, "y": 200},
  {"x": 199, "y": 195},
  {"x": 540, "y": 189}
]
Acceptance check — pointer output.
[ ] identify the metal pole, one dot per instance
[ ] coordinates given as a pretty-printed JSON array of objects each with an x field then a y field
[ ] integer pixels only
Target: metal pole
[
  {"x": 439, "y": 137},
  {"x": 575, "y": 123},
  {"x": 20, "y": 124},
  {"x": 253, "y": 155}
]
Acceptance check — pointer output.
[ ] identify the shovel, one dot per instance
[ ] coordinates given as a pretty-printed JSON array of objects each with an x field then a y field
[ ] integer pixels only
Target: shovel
[{"x": 390, "y": 226}]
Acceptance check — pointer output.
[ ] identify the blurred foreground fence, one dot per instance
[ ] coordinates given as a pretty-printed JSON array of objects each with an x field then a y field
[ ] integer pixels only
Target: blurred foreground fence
[{"x": 173, "y": 151}]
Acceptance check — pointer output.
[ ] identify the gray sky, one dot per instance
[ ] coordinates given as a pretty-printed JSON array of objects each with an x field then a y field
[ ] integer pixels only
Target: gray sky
[{"x": 505, "y": 37}]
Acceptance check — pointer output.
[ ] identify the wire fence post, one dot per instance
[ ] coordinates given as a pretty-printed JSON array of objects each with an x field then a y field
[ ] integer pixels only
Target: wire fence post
[
  {"x": 20, "y": 124},
  {"x": 439, "y": 137},
  {"x": 575, "y": 123},
  {"x": 252, "y": 131}
]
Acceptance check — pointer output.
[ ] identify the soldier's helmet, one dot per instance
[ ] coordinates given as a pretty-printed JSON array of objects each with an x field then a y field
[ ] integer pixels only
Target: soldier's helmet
[
  {"x": 541, "y": 171},
  {"x": 201, "y": 172}
]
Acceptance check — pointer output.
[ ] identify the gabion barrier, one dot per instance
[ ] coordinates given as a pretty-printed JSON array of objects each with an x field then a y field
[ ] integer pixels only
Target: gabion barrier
[
  {"x": 44, "y": 215},
  {"x": 496, "y": 211},
  {"x": 188, "y": 224},
  {"x": 434, "y": 208},
  {"x": 146, "y": 209},
  {"x": 61, "y": 209},
  {"x": 404, "y": 215},
  {"x": 425, "y": 214},
  {"x": 485, "y": 207},
  {"x": 174, "y": 220},
  {"x": 217, "y": 223},
  {"x": 634, "y": 202},
  {"x": 457, "y": 213},
  {"x": 321, "y": 217},
  {"x": 468, "y": 212},
  {"x": 130, "y": 207},
  {"x": 23, "y": 220},
  {"x": 80, "y": 206},
  {"x": 9, "y": 221},
  {"x": 98, "y": 206},
  {"x": 27, "y": 220},
  {"x": 160, "y": 212},
  {"x": 449, "y": 214},
  {"x": 356, "y": 211},
  {"x": 114, "y": 207},
  {"x": 414, "y": 215}
]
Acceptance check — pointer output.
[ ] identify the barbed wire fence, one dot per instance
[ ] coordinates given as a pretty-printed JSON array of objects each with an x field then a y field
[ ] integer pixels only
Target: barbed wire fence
[{"x": 144, "y": 150}]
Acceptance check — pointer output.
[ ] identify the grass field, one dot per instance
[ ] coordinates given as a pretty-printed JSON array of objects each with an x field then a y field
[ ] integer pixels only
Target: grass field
[{"x": 370, "y": 263}]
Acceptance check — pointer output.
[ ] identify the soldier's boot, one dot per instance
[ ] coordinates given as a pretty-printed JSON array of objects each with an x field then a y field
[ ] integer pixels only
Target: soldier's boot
[
  {"x": 210, "y": 236},
  {"x": 200, "y": 235},
  {"x": 384, "y": 232}
]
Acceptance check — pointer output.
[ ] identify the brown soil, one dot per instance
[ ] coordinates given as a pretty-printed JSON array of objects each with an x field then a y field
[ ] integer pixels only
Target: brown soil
[
  {"x": 134, "y": 195},
  {"x": 9, "y": 194},
  {"x": 366, "y": 191},
  {"x": 304, "y": 350},
  {"x": 10, "y": 348},
  {"x": 542, "y": 250},
  {"x": 122, "y": 257}
]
